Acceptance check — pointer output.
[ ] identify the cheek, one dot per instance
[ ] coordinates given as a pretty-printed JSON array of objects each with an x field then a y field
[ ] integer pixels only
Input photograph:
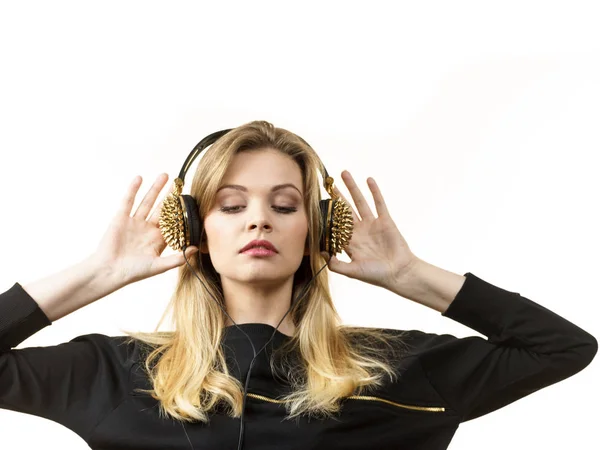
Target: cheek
[
  {"x": 300, "y": 231},
  {"x": 217, "y": 231}
]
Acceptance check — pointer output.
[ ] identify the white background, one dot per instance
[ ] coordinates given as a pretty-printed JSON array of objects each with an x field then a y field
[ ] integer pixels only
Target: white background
[{"x": 479, "y": 121}]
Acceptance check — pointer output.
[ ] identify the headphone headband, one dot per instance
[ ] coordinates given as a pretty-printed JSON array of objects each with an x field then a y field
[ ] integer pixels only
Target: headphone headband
[{"x": 213, "y": 137}]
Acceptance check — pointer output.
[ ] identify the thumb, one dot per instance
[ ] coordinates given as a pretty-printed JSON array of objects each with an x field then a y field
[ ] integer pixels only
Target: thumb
[
  {"x": 188, "y": 252},
  {"x": 338, "y": 266},
  {"x": 332, "y": 261},
  {"x": 170, "y": 262}
]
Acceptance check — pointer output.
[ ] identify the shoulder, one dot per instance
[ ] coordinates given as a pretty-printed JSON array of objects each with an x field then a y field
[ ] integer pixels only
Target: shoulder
[
  {"x": 121, "y": 350},
  {"x": 405, "y": 343}
]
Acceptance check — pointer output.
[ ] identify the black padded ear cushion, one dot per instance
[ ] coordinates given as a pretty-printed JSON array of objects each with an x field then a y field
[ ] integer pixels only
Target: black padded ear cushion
[
  {"x": 194, "y": 224},
  {"x": 327, "y": 221}
]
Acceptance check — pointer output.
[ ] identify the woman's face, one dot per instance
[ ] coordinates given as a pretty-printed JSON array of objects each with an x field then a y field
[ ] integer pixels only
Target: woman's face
[{"x": 253, "y": 210}]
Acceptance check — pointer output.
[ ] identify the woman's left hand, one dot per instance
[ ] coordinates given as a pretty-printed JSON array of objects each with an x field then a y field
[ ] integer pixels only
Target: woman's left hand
[{"x": 378, "y": 252}]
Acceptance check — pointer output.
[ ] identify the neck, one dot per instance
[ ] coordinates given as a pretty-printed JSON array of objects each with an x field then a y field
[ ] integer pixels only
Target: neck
[{"x": 259, "y": 303}]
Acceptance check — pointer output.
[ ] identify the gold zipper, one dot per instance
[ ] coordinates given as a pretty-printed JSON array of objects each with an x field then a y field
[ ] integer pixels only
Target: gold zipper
[
  {"x": 400, "y": 405},
  {"x": 363, "y": 397},
  {"x": 267, "y": 399}
]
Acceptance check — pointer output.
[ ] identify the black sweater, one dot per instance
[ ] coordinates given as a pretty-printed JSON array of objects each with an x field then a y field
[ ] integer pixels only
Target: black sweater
[{"x": 87, "y": 384}]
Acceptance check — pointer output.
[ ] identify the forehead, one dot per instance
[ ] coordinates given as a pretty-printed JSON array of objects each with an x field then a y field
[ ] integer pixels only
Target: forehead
[{"x": 256, "y": 169}]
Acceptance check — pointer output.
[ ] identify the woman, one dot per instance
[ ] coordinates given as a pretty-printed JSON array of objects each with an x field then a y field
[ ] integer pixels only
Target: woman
[{"x": 345, "y": 387}]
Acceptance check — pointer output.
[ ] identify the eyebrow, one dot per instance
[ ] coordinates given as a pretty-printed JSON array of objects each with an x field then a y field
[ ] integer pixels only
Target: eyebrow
[{"x": 273, "y": 189}]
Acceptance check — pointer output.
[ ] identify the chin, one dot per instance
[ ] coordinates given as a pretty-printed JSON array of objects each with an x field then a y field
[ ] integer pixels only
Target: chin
[{"x": 254, "y": 274}]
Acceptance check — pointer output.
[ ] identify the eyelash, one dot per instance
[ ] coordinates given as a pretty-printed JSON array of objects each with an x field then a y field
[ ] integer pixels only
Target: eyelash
[{"x": 281, "y": 209}]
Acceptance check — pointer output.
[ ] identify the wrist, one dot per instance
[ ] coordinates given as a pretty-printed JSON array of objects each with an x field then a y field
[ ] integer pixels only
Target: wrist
[
  {"x": 429, "y": 285},
  {"x": 105, "y": 278}
]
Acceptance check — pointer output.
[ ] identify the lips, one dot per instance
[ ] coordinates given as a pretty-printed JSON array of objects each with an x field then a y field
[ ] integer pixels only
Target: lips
[{"x": 259, "y": 243}]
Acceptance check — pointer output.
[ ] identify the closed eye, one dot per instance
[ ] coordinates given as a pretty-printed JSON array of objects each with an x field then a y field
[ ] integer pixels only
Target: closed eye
[{"x": 280, "y": 209}]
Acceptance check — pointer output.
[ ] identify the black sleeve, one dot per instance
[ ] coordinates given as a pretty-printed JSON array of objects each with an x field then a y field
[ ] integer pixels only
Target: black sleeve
[
  {"x": 528, "y": 347},
  {"x": 74, "y": 383}
]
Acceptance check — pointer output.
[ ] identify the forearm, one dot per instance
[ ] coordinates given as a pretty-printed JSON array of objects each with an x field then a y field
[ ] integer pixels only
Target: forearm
[
  {"x": 72, "y": 288},
  {"x": 429, "y": 285}
]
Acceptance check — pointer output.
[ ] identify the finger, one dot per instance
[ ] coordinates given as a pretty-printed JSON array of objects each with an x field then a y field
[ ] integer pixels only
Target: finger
[
  {"x": 359, "y": 199},
  {"x": 155, "y": 216},
  {"x": 378, "y": 197},
  {"x": 150, "y": 197},
  {"x": 129, "y": 198}
]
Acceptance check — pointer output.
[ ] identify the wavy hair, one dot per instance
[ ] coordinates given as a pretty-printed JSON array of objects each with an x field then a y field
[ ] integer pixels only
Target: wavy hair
[{"x": 324, "y": 361}]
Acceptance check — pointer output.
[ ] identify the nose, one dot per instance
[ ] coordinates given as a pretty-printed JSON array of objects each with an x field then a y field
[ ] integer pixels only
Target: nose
[
  {"x": 260, "y": 225},
  {"x": 260, "y": 219}
]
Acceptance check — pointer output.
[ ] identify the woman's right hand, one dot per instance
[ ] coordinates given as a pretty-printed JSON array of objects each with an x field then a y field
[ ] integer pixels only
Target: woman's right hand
[{"x": 132, "y": 245}]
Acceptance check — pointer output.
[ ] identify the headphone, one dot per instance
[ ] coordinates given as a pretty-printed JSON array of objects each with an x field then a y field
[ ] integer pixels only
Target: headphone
[{"x": 181, "y": 226}]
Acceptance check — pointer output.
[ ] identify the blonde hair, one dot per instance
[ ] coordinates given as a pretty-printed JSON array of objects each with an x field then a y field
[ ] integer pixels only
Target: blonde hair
[{"x": 187, "y": 368}]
